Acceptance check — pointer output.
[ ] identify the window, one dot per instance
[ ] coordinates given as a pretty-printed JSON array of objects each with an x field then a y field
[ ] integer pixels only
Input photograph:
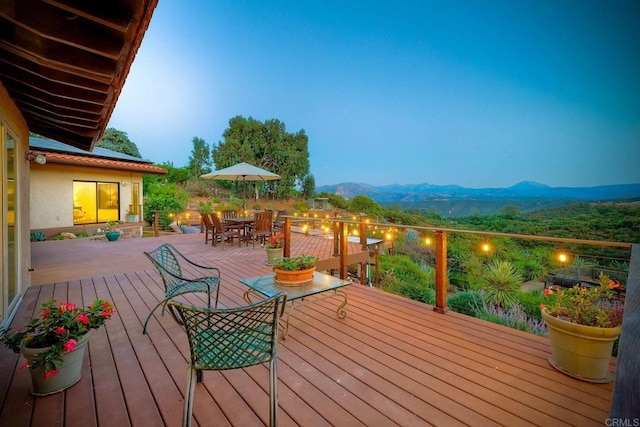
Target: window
[{"x": 95, "y": 202}]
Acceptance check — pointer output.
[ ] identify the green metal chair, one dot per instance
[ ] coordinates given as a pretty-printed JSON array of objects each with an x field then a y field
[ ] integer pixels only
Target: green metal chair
[
  {"x": 221, "y": 339},
  {"x": 178, "y": 280}
]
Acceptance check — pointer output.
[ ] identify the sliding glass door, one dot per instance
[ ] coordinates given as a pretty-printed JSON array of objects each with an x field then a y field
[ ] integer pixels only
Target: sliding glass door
[{"x": 8, "y": 217}]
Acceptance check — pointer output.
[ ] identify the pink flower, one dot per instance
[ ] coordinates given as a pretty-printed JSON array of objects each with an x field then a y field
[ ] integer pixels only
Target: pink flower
[
  {"x": 70, "y": 345},
  {"x": 60, "y": 330},
  {"x": 50, "y": 374},
  {"x": 83, "y": 318}
]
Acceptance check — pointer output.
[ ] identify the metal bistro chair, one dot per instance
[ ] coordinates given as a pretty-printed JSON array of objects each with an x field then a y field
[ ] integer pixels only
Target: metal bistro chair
[
  {"x": 221, "y": 339},
  {"x": 166, "y": 260}
]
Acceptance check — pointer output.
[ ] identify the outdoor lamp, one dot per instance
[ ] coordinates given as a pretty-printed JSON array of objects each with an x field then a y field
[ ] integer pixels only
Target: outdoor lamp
[
  {"x": 40, "y": 159},
  {"x": 485, "y": 247}
]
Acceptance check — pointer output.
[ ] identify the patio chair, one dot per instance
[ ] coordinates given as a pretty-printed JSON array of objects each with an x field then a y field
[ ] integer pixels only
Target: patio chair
[
  {"x": 278, "y": 221},
  {"x": 170, "y": 262},
  {"x": 209, "y": 230},
  {"x": 229, "y": 214},
  {"x": 260, "y": 229},
  {"x": 225, "y": 231},
  {"x": 221, "y": 339}
]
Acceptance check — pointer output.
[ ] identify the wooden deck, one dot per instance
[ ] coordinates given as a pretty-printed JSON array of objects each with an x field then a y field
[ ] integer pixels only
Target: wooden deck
[{"x": 392, "y": 361}]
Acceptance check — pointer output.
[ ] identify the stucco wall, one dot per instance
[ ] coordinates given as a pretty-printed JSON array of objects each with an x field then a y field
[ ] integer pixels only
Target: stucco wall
[{"x": 52, "y": 191}]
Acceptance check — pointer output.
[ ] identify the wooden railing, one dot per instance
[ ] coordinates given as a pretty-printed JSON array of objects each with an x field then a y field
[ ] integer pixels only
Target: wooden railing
[{"x": 340, "y": 230}]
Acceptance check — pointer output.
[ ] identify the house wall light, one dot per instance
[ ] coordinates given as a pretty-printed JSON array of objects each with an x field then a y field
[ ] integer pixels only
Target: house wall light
[{"x": 40, "y": 159}]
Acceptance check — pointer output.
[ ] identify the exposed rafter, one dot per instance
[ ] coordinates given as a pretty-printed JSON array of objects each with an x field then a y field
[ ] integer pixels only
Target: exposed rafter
[{"x": 64, "y": 61}]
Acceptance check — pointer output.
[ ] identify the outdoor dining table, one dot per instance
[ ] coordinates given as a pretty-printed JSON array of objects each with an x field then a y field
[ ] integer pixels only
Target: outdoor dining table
[
  {"x": 321, "y": 284},
  {"x": 241, "y": 222}
]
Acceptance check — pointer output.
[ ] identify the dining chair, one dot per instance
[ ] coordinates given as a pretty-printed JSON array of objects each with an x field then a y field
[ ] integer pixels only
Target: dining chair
[
  {"x": 181, "y": 276},
  {"x": 231, "y": 338},
  {"x": 225, "y": 231},
  {"x": 208, "y": 227},
  {"x": 260, "y": 228}
]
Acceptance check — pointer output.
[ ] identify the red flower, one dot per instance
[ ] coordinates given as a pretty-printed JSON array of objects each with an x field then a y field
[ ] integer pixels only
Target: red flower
[
  {"x": 83, "y": 318},
  {"x": 24, "y": 365},
  {"x": 70, "y": 345},
  {"x": 50, "y": 374},
  {"x": 60, "y": 330},
  {"x": 614, "y": 284},
  {"x": 547, "y": 292},
  {"x": 542, "y": 306},
  {"x": 45, "y": 314}
]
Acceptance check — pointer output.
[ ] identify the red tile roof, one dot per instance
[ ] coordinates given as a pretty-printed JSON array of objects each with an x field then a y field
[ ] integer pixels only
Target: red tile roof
[{"x": 96, "y": 162}]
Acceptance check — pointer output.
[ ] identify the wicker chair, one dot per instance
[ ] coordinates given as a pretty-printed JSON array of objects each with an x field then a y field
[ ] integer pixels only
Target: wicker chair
[
  {"x": 167, "y": 260},
  {"x": 221, "y": 339}
]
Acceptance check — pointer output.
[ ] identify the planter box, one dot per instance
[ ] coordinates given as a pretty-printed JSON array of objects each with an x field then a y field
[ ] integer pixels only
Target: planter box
[{"x": 293, "y": 278}]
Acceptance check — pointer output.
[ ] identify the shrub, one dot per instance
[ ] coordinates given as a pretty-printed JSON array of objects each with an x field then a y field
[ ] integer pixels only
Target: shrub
[
  {"x": 400, "y": 276},
  {"x": 514, "y": 318},
  {"x": 530, "y": 303},
  {"x": 466, "y": 302},
  {"x": 301, "y": 205},
  {"x": 37, "y": 236},
  {"x": 501, "y": 282}
]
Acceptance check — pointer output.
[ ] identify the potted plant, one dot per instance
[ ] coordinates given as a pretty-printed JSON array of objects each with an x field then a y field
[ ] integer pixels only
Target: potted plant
[
  {"x": 583, "y": 324},
  {"x": 273, "y": 246},
  {"x": 54, "y": 343},
  {"x": 131, "y": 216},
  {"x": 111, "y": 233},
  {"x": 294, "y": 271}
]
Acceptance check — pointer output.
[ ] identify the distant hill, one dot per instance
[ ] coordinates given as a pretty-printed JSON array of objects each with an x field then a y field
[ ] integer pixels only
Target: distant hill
[{"x": 454, "y": 200}]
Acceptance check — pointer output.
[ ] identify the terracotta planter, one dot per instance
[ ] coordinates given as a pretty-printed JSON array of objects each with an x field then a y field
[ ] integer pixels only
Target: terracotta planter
[
  {"x": 580, "y": 351},
  {"x": 293, "y": 278},
  {"x": 70, "y": 371},
  {"x": 272, "y": 254}
]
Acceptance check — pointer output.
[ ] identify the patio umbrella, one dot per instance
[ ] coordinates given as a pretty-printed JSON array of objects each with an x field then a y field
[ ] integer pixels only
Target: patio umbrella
[{"x": 244, "y": 172}]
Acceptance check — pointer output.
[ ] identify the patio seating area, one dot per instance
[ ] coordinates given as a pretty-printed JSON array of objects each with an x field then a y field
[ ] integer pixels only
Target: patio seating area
[{"x": 391, "y": 361}]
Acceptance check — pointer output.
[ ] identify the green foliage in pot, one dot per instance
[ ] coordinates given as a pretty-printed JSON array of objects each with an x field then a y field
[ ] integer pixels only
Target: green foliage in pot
[
  {"x": 58, "y": 328},
  {"x": 302, "y": 262},
  {"x": 596, "y": 306}
]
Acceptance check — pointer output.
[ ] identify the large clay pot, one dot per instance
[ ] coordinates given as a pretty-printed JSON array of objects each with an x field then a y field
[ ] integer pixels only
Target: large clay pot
[
  {"x": 583, "y": 352},
  {"x": 293, "y": 278},
  {"x": 69, "y": 374},
  {"x": 272, "y": 254}
]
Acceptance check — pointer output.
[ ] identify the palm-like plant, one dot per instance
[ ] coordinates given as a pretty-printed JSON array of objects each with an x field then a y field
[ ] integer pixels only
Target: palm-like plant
[{"x": 501, "y": 284}]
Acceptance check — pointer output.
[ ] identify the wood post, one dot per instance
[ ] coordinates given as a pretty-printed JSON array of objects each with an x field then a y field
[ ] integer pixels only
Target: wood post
[
  {"x": 344, "y": 250},
  {"x": 441, "y": 272},
  {"x": 286, "y": 248}
]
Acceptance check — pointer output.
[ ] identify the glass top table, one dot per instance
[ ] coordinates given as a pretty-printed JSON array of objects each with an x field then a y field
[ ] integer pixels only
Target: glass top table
[{"x": 321, "y": 284}]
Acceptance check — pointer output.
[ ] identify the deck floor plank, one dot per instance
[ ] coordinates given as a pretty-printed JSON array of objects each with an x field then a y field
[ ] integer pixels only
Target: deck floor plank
[{"x": 391, "y": 361}]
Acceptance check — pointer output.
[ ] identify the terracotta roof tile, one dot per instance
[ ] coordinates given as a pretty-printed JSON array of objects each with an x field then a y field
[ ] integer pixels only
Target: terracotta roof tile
[{"x": 70, "y": 159}]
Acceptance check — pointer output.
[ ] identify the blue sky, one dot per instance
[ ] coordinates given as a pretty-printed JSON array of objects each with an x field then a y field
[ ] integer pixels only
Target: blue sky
[{"x": 475, "y": 93}]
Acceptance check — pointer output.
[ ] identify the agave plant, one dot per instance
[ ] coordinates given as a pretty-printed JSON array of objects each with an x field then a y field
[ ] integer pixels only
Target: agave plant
[{"x": 501, "y": 283}]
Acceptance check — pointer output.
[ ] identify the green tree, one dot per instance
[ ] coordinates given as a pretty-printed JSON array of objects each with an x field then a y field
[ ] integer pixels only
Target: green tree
[
  {"x": 308, "y": 186},
  {"x": 117, "y": 140},
  {"x": 200, "y": 160},
  {"x": 267, "y": 145}
]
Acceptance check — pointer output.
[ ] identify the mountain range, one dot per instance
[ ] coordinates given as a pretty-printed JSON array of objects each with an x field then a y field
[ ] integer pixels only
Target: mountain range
[
  {"x": 522, "y": 190},
  {"x": 455, "y": 200}
]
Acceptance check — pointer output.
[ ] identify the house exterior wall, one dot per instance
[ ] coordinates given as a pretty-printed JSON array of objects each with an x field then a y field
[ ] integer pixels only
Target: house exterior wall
[
  {"x": 11, "y": 121},
  {"x": 52, "y": 191}
]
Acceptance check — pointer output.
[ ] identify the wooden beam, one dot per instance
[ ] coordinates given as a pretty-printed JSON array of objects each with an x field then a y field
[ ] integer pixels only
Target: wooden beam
[
  {"x": 52, "y": 23},
  {"x": 344, "y": 250},
  {"x": 54, "y": 89},
  {"x": 111, "y": 14}
]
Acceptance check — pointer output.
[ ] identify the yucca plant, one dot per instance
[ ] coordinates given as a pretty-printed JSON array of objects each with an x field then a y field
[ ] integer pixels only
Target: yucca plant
[{"x": 501, "y": 284}]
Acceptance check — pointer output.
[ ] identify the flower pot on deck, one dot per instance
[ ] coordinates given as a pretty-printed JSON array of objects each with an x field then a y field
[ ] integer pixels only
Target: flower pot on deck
[
  {"x": 582, "y": 352},
  {"x": 112, "y": 236},
  {"x": 69, "y": 373},
  {"x": 293, "y": 278},
  {"x": 272, "y": 254}
]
